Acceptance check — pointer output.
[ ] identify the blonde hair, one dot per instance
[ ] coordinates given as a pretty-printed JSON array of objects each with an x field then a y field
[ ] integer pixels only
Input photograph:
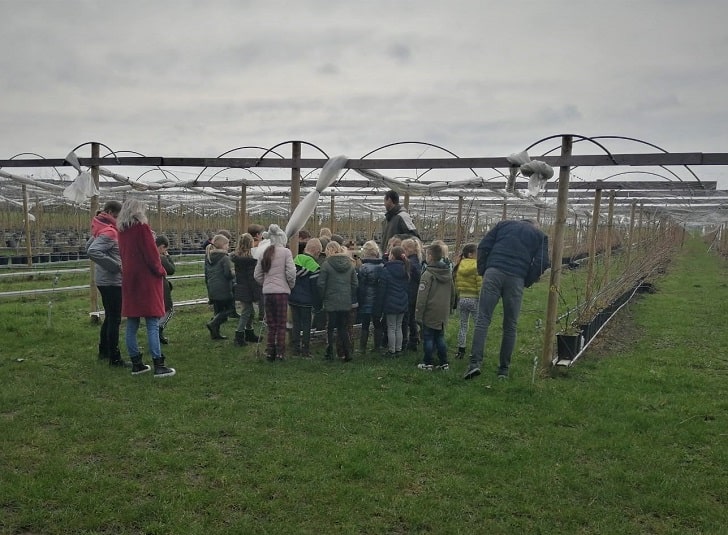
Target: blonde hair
[
  {"x": 333, "y": 248},
  {"x": 370, "y": 249},
  {"x": 245, "y": 244},
  {"x": 132, "y": 213},
  {"x": 325, "y": 233},
  {"x": 411, "y": 247}
]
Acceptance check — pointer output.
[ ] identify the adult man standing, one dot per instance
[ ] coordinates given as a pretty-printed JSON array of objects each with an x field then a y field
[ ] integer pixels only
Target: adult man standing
[
  {"x": 397, "y": 221},
  {"x": 511, "y": 256}
]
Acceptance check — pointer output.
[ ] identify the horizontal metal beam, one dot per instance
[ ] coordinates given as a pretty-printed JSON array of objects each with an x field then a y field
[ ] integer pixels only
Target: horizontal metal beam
[{"x": 595, "y": 160}]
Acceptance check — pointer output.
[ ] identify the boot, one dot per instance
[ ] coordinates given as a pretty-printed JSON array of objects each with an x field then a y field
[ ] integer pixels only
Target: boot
[
  {"x": 116, "y": 360},
  {"x": 162, "y": 339},
  {"x": 214, "y": 326},
  {"x": 137, "y": 366},
  {"x": 329, "y": 353},
  {"x": 461, "y": 352},
  {"x": 270, "y": 353},
  {"x": 160, "y": 370},
  {"x": 239, "y": 339},
  {"x": 250, "y": 336}
]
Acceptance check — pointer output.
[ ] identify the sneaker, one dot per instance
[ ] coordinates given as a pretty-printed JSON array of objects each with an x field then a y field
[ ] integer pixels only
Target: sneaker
[
  {"x": 160, "y": 370},
  {"x": 472, "y": 372},
  {"x": 138, "y": 368},
  {"x": 444, "y": 367},
  {"x": 502, "y": 376},
  {"x": 425, "y": 367}
]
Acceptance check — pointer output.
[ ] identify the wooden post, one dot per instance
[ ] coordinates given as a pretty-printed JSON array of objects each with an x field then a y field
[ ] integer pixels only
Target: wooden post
[
  {"x": 406, "y": 200},
  {"x": 608, "y": 239},
  {"x": 589, "y": 290},
  {"x": 332, "y": 214},
  {"x": 459, "y": 228},
  {"x": 93, "y": 294},
  {"x": 159, "y": 214},
  {"x": 630, "y": 242},
  {"x": 504, "y": 215},
  {"x": 556, "y": 254},
  {"x": 179, "y": 227},
  {"x": 351, "y": 225},
  {"x": 442, "y": 225},
  {"x": 243, "y": 214},
  {"x": 295, "y": 190}
]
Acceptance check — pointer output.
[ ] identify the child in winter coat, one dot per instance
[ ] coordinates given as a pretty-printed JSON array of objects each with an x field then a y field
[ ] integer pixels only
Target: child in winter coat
[
  {"x": 247, "y": 291},
  {"x": 304, "y": 297},
  {"x": 435, "y": 298},
  {"x": 394, "y": 296},
  {"x": 276, "y": 273},
  {"x": 337, "y": 284},
  {"x": 410, "y": 334},
  {"x": 163, "y": 247},
  {"x": 369, "y": 274},
  {"x": 467, "y": 283},
  {"x": 219, "y": 276}
]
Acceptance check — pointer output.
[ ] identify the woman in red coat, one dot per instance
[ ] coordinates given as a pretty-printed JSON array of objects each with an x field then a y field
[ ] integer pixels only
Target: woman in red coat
[{"x": 142, "y": 286}]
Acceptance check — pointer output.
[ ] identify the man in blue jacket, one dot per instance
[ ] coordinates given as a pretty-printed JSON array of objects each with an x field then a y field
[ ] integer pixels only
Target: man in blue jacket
[{"x": 511, "y": 256}]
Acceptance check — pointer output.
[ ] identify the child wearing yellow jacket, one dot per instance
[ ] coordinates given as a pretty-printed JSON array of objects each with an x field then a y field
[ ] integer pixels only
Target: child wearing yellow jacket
[{"x": 467, "y": 283}]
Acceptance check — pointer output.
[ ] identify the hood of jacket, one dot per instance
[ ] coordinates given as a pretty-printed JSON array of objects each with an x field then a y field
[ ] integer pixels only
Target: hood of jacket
[
  {"x": 340, "y": 262},
  {"x": 440, "y": 271},
  {"x": 104, "y": 224}
]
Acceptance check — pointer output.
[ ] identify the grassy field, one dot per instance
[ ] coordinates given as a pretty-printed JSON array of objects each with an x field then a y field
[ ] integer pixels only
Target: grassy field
[{"x": 631, "y": 440}]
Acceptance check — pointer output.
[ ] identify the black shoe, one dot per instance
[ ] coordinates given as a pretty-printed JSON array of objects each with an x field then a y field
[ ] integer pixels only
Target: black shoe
[
  {"x": 461, "y": 353},
  {"x": 239, "y": 339},
  {"x": 250, "y": 336},
  {"x": 120, "y": 363},
  {"x": 214, "y": 331},
  {"x": 163, "y": 339},
  {"x": 137, "y": 368},
  {"x": 472, "y": 372},
  {"x": 160, "y": 370}
]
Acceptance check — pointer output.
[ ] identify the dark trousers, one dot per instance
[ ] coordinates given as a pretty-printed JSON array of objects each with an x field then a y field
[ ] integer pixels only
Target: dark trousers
[
  {"x": 410, "y": 330},
  {"x": 109, "y": 337},
  {"x": 301, "y": 317},
  {"x": 338, "y": 321},
  {"x": 375, "y": 320}
]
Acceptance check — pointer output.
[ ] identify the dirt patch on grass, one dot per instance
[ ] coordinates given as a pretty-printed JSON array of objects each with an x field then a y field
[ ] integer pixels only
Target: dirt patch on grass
[{"x": 617, "y": 337}]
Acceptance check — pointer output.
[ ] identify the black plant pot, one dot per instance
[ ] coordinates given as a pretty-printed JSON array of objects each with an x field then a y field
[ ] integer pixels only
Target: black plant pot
[{"x": 569, "y": 345}]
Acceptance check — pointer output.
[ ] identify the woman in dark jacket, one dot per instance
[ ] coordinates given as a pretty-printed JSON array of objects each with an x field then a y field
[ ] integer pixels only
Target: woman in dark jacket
[
  {"x": 247, "y": 290},
  {"x": 394, "y": 296},
  {"x": 219, "y": 275}
]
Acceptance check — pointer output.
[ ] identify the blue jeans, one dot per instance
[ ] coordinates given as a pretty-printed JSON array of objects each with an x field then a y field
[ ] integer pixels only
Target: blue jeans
[
  {"x": 497, "y": 285},
  {"x": 431, "y": 339},
  {"x": 132, "y": 326}
]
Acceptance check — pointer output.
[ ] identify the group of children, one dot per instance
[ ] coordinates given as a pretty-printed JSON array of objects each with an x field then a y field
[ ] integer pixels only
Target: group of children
[{"x": 393, "y": 296}]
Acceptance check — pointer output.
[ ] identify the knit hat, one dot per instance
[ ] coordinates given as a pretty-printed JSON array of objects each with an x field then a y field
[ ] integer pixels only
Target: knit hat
[{"x": 276, "y": 235}]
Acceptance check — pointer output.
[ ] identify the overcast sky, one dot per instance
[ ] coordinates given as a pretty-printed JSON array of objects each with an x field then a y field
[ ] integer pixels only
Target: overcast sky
[{"x": 480, "y": 78}]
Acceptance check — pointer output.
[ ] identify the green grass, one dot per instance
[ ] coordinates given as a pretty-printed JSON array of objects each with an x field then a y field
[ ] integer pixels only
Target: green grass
[{"x": 631, "y": 440}]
